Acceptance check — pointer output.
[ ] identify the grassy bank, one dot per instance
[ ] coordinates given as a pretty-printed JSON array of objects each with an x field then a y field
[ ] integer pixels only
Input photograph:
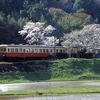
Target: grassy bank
[
  {"x": 63, "y": 69},
  {"x": 58, "y": 91}
]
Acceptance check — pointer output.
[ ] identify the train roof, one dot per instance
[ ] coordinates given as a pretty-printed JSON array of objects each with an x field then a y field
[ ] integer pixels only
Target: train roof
[{"x": 37, "y": 46}]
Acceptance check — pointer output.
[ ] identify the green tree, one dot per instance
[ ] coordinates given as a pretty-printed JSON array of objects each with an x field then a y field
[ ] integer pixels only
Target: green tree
[
  {"x": 35, "y": 12},
  {"x": 2, "y": 18},
  {"x": 82, "y": 5},
  {"x": 22, "y": 22}
]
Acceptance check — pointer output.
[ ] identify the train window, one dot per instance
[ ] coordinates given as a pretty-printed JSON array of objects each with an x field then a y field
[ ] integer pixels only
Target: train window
[
  {"x": 33, "y": 50},
  {"x": 61, "y": 51},
  {"x": 30, "y": 50},
  {"x": 16, "y": 49},
  {"x": 47, "y": 50},
  {"x": 0, "y": 49},
  {"x": 27, "y": 50},
  {"x": 12, "y": 49},
  {"x": 21, "y": 50},
  {"x": 24, "y": 50},
  {"x": 43, "y": 50},
  {"x": 3, "y": 49},
  {"x": 40, "y": 50},
  {"x": 57, "y": 50},
  {"x": 36, "y": 51},
  {"x": 8, "y": 49},
  {"x": 51, "y": 50}
]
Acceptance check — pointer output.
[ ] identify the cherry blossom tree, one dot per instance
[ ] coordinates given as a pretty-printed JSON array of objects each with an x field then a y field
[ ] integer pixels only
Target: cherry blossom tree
[
  {"x": 38, "y": 33},
  {"x": 51, "y": 41},
  {"x": 88, "y": 37}
]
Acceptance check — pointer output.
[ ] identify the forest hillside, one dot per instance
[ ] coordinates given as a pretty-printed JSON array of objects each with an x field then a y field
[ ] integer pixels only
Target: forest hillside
[{"x": 65, "y": 15}]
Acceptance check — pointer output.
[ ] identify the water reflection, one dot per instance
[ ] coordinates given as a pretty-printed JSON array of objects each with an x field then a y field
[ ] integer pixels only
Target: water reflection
[{"x": 68, "y": 97}]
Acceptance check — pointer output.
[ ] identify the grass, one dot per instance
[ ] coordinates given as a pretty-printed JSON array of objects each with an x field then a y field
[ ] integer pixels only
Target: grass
[
  {"x": 57, "y": 91},
  {"x": 76, "y": 69},
  {"x": 63, "y": 69}
]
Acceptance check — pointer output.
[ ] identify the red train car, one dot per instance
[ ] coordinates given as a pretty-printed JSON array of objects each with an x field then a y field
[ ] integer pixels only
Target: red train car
[{"x": 27, "y": 51}]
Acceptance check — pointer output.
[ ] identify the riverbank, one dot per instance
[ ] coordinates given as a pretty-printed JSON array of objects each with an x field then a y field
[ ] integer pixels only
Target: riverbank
[
  {"x": 50, "y": 70},
  {"x": 52, "y": 92}
]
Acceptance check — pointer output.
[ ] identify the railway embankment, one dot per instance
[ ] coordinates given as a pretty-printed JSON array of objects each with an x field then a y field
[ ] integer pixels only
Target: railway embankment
[
  {"x": 24, "y": 66},
  {"x": 47, "y": 70}
]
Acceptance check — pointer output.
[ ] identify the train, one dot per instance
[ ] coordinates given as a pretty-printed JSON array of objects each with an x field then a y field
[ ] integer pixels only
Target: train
[
  {"x": 42, "y": 51},
  {"x": 30, "y": 51}
]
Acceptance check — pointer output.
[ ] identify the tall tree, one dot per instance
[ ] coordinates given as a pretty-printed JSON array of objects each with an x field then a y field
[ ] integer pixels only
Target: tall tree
[
  {"x": 82, "y": 5},
  {"x": 38, "y": 33},
  {"x": 88, "y": 37}
]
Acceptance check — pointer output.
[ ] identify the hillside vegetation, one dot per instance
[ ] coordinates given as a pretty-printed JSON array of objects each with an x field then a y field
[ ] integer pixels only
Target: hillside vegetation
[
  {"x": 64, "y": 15},
  {"x": 45, "y": 70}
]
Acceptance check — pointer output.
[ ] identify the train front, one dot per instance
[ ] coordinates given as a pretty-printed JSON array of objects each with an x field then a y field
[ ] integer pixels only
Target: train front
[{"x": 3, "y": 51}]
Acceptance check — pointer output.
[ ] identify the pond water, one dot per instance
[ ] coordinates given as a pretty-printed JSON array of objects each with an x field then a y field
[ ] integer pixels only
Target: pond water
[{"x": 68, "y": 97}]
